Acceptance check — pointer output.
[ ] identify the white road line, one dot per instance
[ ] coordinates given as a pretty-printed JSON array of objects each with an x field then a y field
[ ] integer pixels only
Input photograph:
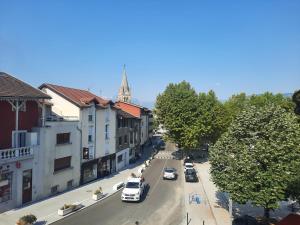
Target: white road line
[{"x": 159, "y": 178}]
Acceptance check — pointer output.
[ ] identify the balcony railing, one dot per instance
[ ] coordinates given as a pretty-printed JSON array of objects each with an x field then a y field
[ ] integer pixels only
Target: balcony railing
[
  {"x": 16, "y": 153},
  {"x": 54, "y": 118}
]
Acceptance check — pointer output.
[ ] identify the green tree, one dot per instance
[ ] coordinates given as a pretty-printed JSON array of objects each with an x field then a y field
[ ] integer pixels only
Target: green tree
[
  {"x": 293, "y": 190},
  {"x": 296, "y": 100},
  {"x": 276, "y": 99},
  {"x": 235, "y": 104},
  {"x": 213, "y": 118},
  {"x": 255, "y": 159},
  {"x": 176, "y": 109}
]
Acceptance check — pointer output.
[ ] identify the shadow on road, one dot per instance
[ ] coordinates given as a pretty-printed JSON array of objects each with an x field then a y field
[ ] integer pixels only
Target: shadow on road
[
  {"x": 146, "y": 191},
  {"x": 42, "y": 222}
]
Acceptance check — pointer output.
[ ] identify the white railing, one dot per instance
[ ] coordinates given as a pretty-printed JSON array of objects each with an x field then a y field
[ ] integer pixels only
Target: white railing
[
  {"x": 16, "y": 153},
  {"x": 54, "y": 118}
]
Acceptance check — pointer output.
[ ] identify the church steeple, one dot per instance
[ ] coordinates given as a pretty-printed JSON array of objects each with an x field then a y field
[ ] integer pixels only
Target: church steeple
[{"x": 124, "y": 94}]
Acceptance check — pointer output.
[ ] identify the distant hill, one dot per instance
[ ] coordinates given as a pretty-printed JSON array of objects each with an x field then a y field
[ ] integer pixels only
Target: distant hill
[
  {"x": 147, "y": 104},
  {"x": 287, "y": 94}
]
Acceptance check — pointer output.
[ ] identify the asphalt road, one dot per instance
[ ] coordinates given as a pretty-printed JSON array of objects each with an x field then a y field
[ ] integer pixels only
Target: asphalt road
[{"x": 163, "y": 202}]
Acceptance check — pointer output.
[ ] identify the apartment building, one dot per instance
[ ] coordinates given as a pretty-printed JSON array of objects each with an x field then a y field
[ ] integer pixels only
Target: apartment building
[
  {"x": 143, "y": 114},
  {"x": 59, "y": 158},
  {"x": 97, "y": 122},
  {"x": 127, "y": 138},
  {"x": 22, "y": 108}
]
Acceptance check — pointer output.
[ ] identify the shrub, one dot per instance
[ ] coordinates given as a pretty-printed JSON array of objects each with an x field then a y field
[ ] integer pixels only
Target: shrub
[
  {"x": 98, "y": 191},
  {"x": 27, "y": 219},
  {"x": 66, "y": 206}
]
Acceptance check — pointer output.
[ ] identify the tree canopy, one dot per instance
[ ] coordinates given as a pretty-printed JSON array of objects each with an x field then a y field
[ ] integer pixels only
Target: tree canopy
[
  {"x": 255, "y": 159},
  {"x": 191, "y": 119}
]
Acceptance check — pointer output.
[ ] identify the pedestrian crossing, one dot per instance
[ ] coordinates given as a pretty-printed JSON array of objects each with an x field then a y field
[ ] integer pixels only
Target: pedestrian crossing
[{"x": 164, "y": 155}]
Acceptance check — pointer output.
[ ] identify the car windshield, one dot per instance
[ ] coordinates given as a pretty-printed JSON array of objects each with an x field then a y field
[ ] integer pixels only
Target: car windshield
[
  {"x": 189, "y": 172},
  {"x": 169, "y": 170},
  {"x": 190, "y": 166},
  {"x": 132, "y": 185}
]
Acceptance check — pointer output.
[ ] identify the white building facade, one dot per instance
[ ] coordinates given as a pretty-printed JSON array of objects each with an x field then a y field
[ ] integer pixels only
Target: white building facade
[{"x": 97, "y": 119}]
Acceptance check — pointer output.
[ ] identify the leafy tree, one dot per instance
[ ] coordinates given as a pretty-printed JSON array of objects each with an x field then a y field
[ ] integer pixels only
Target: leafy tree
[
  {"x": 212, "y": 117},
  {"x": 235, "y": 104},
  {"x": 276, "y": 99},
  {"x": 296, "y": 100},
  {"x": 255, "y": 159},
  {"x": 190, "y": 119},
  {"x": 176, "y": 109},
  {"x": 293, "y": 190}
]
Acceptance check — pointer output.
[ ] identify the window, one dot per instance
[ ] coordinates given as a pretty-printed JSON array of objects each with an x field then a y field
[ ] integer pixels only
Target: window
[
  {"x": 131, "y": 123},
  {"x": 125, "y": 139},
  {"x": 85, "y": 153},
  {"x": 106, "y": 131},
  {"x": 120, "y": 158},
  {"x": 19, "y": 138},
  {"x": 90, "y": 138},
  {"x": 131, "y": 138},
  {"x": 91, "y": 132},
  {"x": 69, "y": 184},
  {"x": 130, "y": 152},
  {"x": 5, "y": 187},
  {"x": 90, "y": 118},
  {"x": 119, "y": 122},
  {"x": 91, "y": 152},
  {"x": 62, "y": 163},
  {"x": 54, "y": 190},
  {"x": 120, "y": 140},
  {"x": 123, "y": 122},
  {"x": 63, "y": 138}
]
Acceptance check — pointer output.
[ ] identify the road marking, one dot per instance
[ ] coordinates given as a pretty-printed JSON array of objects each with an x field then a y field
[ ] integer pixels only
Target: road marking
[{"x": 159, "y": 178}]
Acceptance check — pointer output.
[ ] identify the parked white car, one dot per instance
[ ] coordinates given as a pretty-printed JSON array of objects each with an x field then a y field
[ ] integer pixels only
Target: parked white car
[
  {"x": 134, "y": 189},
  {"x": 188, "y": 166},
  {"x": 170, "y": 174}
]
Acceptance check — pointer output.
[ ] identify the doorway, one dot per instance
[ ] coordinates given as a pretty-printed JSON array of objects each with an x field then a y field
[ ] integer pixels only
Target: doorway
[{"x": 27, "y": 186}]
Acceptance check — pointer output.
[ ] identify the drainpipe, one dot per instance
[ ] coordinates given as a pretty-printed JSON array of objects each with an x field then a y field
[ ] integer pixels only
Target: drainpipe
[
  {"x": 17, "y": 123},
  {"x": 81, "y": 154}
]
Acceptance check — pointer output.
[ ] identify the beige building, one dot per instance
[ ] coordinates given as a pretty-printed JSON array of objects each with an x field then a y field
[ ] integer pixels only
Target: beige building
[
  {"x": 59, "y": 158},
  {"x": 97, "y": 122}
]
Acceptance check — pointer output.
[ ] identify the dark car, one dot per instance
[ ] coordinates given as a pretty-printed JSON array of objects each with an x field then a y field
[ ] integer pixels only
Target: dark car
[
  {"x": 161, "y": 145},
  {"x": 187, "y": 160},
  {"x": 191, "y": 175}
]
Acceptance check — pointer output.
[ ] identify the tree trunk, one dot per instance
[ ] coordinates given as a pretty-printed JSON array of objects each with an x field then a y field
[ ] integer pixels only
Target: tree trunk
[{"x": 267, "y": 213}]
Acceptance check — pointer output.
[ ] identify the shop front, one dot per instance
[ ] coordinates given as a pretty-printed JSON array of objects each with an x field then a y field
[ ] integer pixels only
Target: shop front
[
  {"x": 5, "y": 186},
  {"x": 89, "y": 171},
  {"x": 106, "y": 165}
]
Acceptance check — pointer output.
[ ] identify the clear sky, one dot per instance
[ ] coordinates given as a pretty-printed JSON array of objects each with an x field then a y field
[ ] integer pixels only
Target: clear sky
[{"x": 228, "y": 46}]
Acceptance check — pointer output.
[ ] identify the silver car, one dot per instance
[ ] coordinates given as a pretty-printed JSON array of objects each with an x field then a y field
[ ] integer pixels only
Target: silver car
[{"x": 170, "y": 174}]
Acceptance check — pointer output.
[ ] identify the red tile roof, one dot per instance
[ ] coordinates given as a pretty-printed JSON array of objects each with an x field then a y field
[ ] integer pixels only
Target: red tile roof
[
  {"x": 11, "y": 87},
  {"x": 81, "y": 98},
  {"x": 133, "y": 109},
  {"x": 292, "y": 219}
]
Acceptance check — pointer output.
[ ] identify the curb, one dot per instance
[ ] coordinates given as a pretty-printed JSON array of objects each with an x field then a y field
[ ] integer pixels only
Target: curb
[{"x": 85, "y": 207}]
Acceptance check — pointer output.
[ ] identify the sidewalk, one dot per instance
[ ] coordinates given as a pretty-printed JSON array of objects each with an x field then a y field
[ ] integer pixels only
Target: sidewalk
[
  {"x": 205, "y": 206},
  {"x": 46, "y": 210},
  {"x": 221, "y": 215},
  {"x": 219, "y": 202}
]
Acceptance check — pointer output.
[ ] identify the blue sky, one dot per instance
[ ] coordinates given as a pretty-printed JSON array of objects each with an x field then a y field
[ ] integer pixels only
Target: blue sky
[{"x": 227, "y": 46}]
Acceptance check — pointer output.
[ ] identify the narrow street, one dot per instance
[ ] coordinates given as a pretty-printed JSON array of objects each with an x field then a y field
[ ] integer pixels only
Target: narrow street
[{"x": 163, "y": 202}]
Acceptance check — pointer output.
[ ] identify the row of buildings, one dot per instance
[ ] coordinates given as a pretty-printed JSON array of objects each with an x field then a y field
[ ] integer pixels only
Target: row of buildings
[{"x": 55, "y": 138}]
